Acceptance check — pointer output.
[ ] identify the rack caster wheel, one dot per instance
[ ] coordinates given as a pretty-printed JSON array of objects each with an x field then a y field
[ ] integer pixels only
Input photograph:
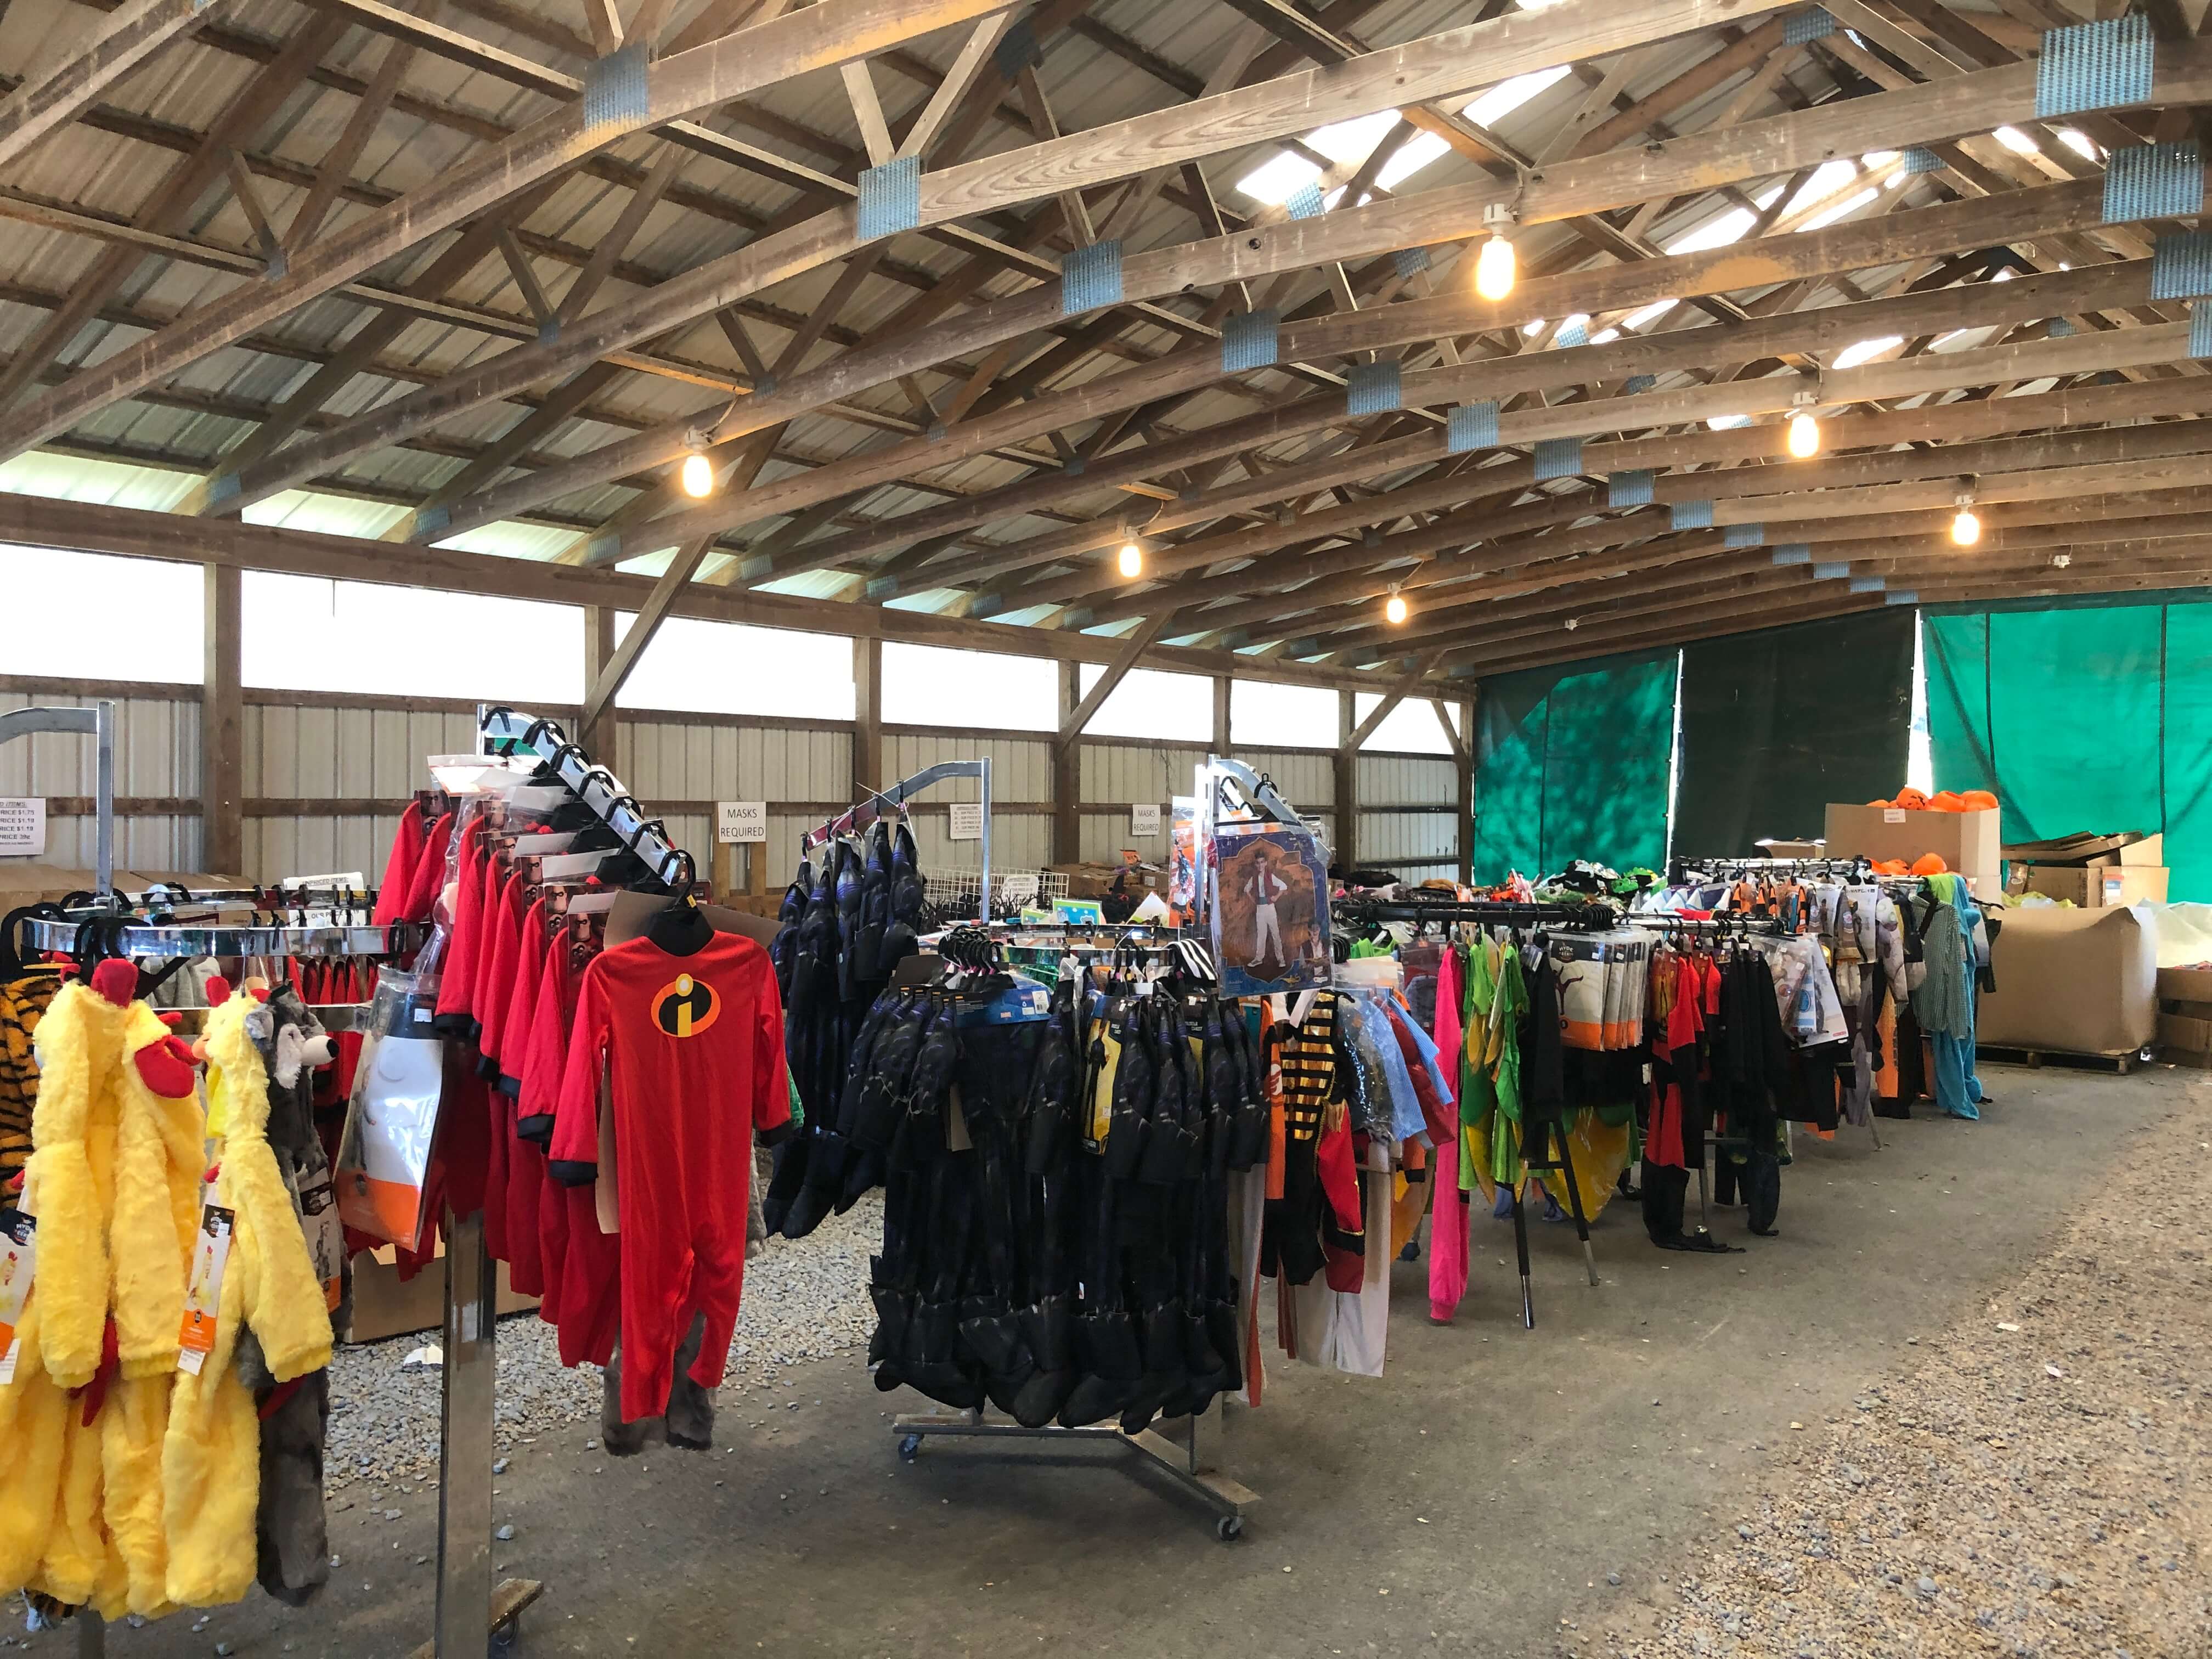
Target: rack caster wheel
[
  {"x": 909, "y": 1448},
  {"x": 505, "y": 1638},
  {"x": 1229, "y": 1529}
]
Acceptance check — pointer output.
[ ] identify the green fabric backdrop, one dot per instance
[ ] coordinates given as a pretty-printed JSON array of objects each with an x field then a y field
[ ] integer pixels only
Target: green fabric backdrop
[
  {"x": 1777, "y": 724},
  {"x": 1572, "y": 762},
  {"x": 2095, "y": 716}
]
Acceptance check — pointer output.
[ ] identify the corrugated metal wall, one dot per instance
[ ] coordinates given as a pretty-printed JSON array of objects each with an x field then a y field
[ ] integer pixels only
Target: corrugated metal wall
[
  {"x": 324, "y": 776},
  {"x": 157, "y": 762},
  {"x": 1420, "y": 839}
]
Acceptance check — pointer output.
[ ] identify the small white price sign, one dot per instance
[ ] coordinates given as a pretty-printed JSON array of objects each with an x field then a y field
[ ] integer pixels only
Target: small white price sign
[
  {"x": 739, "y": 821},
  {"x": 22, "y": 826},
  {"x": 967, "y": 820},
  {"x": 1144, "y": 820}
]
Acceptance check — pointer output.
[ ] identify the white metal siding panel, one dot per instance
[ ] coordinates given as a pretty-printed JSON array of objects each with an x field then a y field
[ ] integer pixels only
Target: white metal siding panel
[
  {"x": 156, "y": 755},
  {"x": 1021, "y": 768},
  {"x": 1407, "y": 780},
  {"x": 1306, "y": 778}
]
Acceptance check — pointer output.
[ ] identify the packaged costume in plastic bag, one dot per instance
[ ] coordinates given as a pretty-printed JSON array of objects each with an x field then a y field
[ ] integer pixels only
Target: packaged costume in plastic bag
[{"x": 392, "y": 1121}]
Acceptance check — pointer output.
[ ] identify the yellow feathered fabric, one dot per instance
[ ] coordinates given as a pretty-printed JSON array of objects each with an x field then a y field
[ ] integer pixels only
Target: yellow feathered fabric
[
  {"x": 211, "y": 1458},
  {"x": 33, "y": 1411},
  {"x": 70, "y": 1181},
  {"x": 156, "y": 1208}
]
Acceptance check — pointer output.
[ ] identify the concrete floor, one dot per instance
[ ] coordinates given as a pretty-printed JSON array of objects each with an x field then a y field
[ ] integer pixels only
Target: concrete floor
[{"x": 1471, "y": 1501}]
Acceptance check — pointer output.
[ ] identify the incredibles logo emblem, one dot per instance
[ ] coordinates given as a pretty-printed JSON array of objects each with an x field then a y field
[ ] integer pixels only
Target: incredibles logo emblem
[{"x": 685, "y": 1008}]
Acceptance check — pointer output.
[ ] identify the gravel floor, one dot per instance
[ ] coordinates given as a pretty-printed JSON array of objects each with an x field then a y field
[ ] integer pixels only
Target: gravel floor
[
  {"x": 804, "y": 1302},
  {"x": 2030, "y": 1484}
]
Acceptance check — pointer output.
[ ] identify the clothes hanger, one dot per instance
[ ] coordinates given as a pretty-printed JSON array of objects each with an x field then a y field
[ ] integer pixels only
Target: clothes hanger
[{"x": 681, "y": 929}]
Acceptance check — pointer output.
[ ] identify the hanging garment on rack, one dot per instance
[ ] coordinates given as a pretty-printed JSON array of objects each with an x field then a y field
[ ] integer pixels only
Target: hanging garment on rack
[
  {"x": 1944, "y": 1004},
  {"x": 694, "y": 1044},
  {"x": 1449, "y": 1203}
]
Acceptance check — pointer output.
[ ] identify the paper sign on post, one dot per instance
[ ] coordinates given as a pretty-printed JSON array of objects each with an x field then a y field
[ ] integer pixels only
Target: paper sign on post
[
  {"x": 203, "y": 1294},
  {"x": 22, "y": 826},
  {"x": 1144, "y": 820},
  {"x": 736, "y": 822},
  {"x": 967, "y": 820}
]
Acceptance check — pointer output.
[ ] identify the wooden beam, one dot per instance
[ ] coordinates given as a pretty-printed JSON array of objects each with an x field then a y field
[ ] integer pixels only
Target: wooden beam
[
  {"x": 335, "y": 171},
  {"x": 672, "y": 582},
  {"x": 1463, "y": 756},
  {"x": 974, "y": 56},
  {"x": 1408, "y": 686},
  {"x": 1435, "y": 66},
  {"x": 685, "y": 84},
  {"x": 1067, "y": 771},
  {"x": 1345, "y": 772},
  {"x": 598, "y": 736},
  {"x": 128, "y": 38},
  {"x": 249, "y": 202},
  {"x": 223, "y": 740},
  {"x": 868, "y": 112},
  {"x": 1132, "y": 648},
  {"x": 868, "y": 768},
  {"x": 612, "y": 247}
]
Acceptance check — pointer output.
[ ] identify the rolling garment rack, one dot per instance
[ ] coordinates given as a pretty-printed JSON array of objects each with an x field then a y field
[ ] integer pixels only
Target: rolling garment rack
[
  {"x": 895, "y": 797},
  {"x": 1193, "y": 1465},
  {"x": 1552, "y": 1156},
  {"x": 114, "y": 928}
]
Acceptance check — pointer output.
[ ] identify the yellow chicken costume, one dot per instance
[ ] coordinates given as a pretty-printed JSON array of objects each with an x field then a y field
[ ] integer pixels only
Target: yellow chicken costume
[
  {"x": 112, "y": 1178},
  {"x": 211, "y": 1459}
]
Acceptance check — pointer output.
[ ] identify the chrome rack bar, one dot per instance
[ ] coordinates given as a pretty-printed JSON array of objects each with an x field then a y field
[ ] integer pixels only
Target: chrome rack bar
[
  {"x": 897, "y": 794},
  {"x": 99, "y": 723}
]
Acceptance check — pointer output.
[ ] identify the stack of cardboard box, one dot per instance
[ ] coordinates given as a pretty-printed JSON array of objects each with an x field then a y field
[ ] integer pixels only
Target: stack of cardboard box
[{"x": 2095, "y": 871}]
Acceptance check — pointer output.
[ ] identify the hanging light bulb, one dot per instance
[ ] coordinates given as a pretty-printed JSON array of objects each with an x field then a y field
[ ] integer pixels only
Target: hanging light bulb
[
  {"x": 1804, "y": 428},
  {"x": 1395, "y": 609},
  {"x": 696, "y": 477},
  {"x": 1130, "y": 561},
  {"x": 1495, "y": 267},
  {"x": 1966, "y": 528}
]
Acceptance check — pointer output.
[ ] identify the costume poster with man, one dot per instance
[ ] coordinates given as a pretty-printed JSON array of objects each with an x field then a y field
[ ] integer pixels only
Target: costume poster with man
[{"x": 1270, "y": 916}]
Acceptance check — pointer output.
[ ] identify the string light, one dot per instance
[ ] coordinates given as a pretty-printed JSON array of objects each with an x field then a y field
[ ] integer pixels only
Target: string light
[
  {"x": 1804, "y": 429},
  {"x": 1395, "y": 609},
  {"x": 1130, "y": 561},
  {"x": 1966, "y": 528},
  {"x": 1496, "y": 266}
]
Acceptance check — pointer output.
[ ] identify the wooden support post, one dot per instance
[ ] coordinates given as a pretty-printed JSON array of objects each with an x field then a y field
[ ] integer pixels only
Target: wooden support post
[
  {"x": 1222, "y": 684},
  {"x": 222, "y": 730},
  {"x": 598, "y": 736},
  {"x": 1465, "y": 758},
  {"x": 867, "y": 715},
  {"x": 1348, "y": 780},
  {"x": 1067, "y": 771}
]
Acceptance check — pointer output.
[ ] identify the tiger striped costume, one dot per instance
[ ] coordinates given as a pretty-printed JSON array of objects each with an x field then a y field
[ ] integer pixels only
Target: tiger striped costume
[{"x": 22, "y": 1001}]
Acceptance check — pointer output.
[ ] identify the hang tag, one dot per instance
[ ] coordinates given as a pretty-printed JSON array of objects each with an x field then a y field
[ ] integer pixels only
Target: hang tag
[
  {"x": 18, "y": 1262},
  {"x": 318, "y": 1205},
  {"x": 204, "y": 1294},
  {"x": 956, "y": 1122}
]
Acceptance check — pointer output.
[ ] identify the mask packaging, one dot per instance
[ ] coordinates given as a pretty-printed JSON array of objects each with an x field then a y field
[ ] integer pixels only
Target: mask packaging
[{"x": 391, "y": 1120}]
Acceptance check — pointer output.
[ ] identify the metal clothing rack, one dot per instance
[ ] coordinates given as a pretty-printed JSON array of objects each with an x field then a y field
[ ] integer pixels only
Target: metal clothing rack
[
  {"x": 99, "y": 723},
  {"x": 879, "y": 801}
]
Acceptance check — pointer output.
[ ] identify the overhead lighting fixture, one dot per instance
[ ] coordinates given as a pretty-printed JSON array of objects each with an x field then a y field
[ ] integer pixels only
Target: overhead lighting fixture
[
  {"x": 1966, "y": 528},
  {"x": 1395, "y": 609},
  {"x": 1804, "y": 429},
  {"x": 696, "y": 475},
  {"x": 1130, "y": 561},
  {"x": 1496, "y": 267}
]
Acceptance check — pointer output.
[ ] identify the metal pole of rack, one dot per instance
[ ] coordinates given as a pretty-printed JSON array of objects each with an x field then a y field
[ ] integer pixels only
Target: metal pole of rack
[
  {"x": 464, "y": 1451},
  {"x": 983, "y": 789},
  {"x": 97, "y": 722}
]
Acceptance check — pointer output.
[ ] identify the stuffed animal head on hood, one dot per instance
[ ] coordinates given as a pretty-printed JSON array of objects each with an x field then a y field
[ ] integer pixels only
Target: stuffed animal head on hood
[{"x": 290, "y": 1038}]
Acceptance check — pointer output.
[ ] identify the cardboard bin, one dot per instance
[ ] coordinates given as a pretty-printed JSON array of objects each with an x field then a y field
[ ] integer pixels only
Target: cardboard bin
[
  {"x": 1967, "y": 841},
  {"x": 2072, "y": 982},
  {"x": 2100, "y": 887}
]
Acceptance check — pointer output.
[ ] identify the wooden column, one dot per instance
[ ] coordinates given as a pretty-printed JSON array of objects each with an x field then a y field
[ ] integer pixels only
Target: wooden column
[
  {"x": 1465, "y": 758},
  {"x": 1067, "y": 773},
  {"x": 222, "y": 728},
  {"x": 598, "y": 738},
  {"x": 867, "y": 715},
  {"x": 1347, "y": 781},
  {"x": 1221, "y": 694}
]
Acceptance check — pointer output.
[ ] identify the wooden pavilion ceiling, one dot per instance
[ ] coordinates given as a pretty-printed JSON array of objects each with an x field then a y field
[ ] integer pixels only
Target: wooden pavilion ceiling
[{"x": 487, "y": 263}]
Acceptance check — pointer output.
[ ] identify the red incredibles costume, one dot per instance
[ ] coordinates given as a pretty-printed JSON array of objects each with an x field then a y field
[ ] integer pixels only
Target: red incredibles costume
[{"x": 695, "y": 1046}]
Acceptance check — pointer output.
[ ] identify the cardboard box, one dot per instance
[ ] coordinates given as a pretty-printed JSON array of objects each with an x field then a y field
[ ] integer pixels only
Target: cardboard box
[
  {"x": 1095, "y": 881},
  {"x": 2185, "y": 1040},
  {"x": 2072, "y": 982},
  {"x": 2186, "y": 985},
  {"x": 2098, "y": 888},
  {"x": 2089, "y": 851},
  {"x": 1967, "y": 841},
  {"x": 1793, "y": 849},
  {"x": 383, "y": 1306}
]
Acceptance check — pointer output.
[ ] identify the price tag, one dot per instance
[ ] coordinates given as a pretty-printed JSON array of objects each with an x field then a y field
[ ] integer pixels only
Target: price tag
[
  {"x": 1144, "y": 820},
  {"x": 204, "y": 1293},
  {"x": 736, "y": 822},
  {"x": 18, "y": 1259},
  {"x": 22, "y": 826},
  {"x": 967, "y": 820}
]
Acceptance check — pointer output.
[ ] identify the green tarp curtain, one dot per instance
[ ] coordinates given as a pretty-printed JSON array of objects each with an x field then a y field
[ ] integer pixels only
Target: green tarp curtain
[
  {"x": 2081, "y": 717},
  {"x": 1777, "y": 724},
  {"x": 1572, "y": 762}
]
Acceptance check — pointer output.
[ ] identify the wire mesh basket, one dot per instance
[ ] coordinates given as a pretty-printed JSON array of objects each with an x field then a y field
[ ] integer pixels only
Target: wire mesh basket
[{"x": 952, "y": 893}]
